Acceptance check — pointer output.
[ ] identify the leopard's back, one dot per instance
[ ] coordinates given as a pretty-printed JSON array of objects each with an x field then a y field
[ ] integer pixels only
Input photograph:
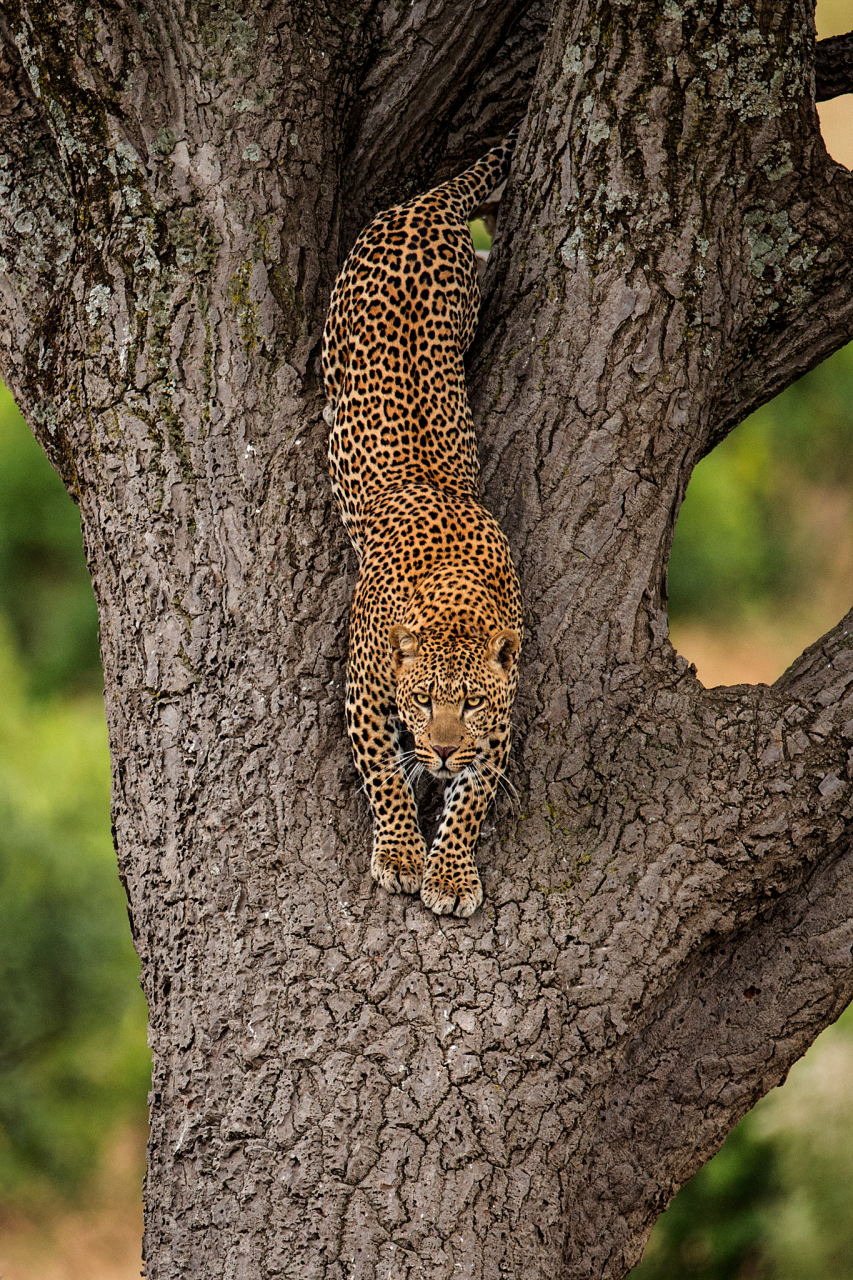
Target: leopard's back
[{"x": 403, "y": 313}]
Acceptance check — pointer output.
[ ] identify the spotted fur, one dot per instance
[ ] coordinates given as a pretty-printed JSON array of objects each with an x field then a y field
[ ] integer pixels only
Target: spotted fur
[{"x": 435, "y": 628}]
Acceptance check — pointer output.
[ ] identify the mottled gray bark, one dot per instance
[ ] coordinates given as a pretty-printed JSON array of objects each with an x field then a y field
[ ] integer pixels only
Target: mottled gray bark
[{"x": 344, "y": 1084}]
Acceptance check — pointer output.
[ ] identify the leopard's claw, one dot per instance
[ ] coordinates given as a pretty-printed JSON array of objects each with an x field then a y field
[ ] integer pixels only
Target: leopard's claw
[{"x": 452, "y": 896}]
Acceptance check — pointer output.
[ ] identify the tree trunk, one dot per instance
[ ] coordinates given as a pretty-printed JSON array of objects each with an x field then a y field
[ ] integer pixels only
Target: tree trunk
[{"x": 344, "y": 1084}]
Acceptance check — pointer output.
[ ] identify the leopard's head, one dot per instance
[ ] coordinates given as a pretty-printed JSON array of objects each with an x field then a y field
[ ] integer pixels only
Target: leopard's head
[{"x": 454, "y": 693}]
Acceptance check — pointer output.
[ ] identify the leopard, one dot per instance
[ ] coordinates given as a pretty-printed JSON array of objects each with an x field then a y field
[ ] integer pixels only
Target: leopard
[{"x": 435, "y": 627}]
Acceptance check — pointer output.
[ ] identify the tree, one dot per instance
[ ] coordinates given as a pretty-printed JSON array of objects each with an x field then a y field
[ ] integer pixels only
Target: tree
[{"x": 344, "y": 1084}]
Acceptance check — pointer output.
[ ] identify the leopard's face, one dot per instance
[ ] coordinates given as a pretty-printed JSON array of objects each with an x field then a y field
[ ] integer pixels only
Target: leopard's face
[{"x": 454, "y": 695}]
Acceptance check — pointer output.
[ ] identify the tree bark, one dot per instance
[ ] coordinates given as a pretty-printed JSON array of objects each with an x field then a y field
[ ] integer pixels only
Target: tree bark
[{"x": 344, "y": 1084}]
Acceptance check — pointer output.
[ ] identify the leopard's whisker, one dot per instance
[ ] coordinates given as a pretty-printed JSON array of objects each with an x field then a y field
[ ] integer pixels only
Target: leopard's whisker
[
  {"x": 501, "y": 780},
  {"x": 414, "y": 772},
  {"x": 475, "y": 775},
  {"x": 398, "y": 766}
]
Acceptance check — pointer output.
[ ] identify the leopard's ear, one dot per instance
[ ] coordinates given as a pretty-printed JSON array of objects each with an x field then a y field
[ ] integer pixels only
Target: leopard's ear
[
  {"x": 501, "y": 648},
  {"x": 404, "y": 648}
]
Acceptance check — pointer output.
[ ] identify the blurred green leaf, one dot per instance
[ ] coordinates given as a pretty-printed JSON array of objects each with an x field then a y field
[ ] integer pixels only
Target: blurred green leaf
[{"x": 480, "y": 235}]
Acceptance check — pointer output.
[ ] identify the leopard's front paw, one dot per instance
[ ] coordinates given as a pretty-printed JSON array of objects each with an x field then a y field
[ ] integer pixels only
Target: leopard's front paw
[
  {"x": 458, "y": 892},
  {"x": 398, "y": 865}
]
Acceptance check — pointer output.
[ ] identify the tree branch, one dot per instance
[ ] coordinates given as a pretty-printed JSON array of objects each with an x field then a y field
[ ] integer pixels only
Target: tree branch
[
  {"x": 799, "y": 233},
  {"x": 741, "y": 1013},
  {"x": 692, "y": 809},
  {"x": 501, "y": 96},
  {"x": 833, "y": 67}
]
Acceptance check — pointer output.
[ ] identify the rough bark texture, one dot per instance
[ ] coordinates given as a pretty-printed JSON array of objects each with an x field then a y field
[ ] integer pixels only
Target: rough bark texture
[{"x": 345, "y": 1085}]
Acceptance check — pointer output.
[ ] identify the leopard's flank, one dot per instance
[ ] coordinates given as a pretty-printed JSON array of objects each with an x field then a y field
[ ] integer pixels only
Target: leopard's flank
[{"x": 435, "y": 629}]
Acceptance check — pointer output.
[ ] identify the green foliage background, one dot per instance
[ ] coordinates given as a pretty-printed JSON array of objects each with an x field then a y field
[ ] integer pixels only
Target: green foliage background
[
  {"x": 73, "y": 1059},
  {"x": 752, "y": 540},
  {"x": 46, "y": 597},
  {"x": 752, "y": 534}
]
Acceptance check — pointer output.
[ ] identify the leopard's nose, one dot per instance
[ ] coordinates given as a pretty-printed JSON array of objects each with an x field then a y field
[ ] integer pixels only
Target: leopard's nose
[{"x": 444, "y": 753}]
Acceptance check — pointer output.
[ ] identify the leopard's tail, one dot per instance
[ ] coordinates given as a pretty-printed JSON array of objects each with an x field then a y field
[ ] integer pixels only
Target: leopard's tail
[{"x": 473, "y": 187}]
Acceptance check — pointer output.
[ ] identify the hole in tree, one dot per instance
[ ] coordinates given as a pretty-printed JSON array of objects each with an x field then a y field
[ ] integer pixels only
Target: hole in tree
[{"x": 762, "y": 558}]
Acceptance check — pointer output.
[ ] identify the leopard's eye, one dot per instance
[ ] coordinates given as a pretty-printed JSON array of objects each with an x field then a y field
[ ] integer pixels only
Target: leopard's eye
[
  {"x": 474, "y": 702},
  {"x": 422, "y": 699}
]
